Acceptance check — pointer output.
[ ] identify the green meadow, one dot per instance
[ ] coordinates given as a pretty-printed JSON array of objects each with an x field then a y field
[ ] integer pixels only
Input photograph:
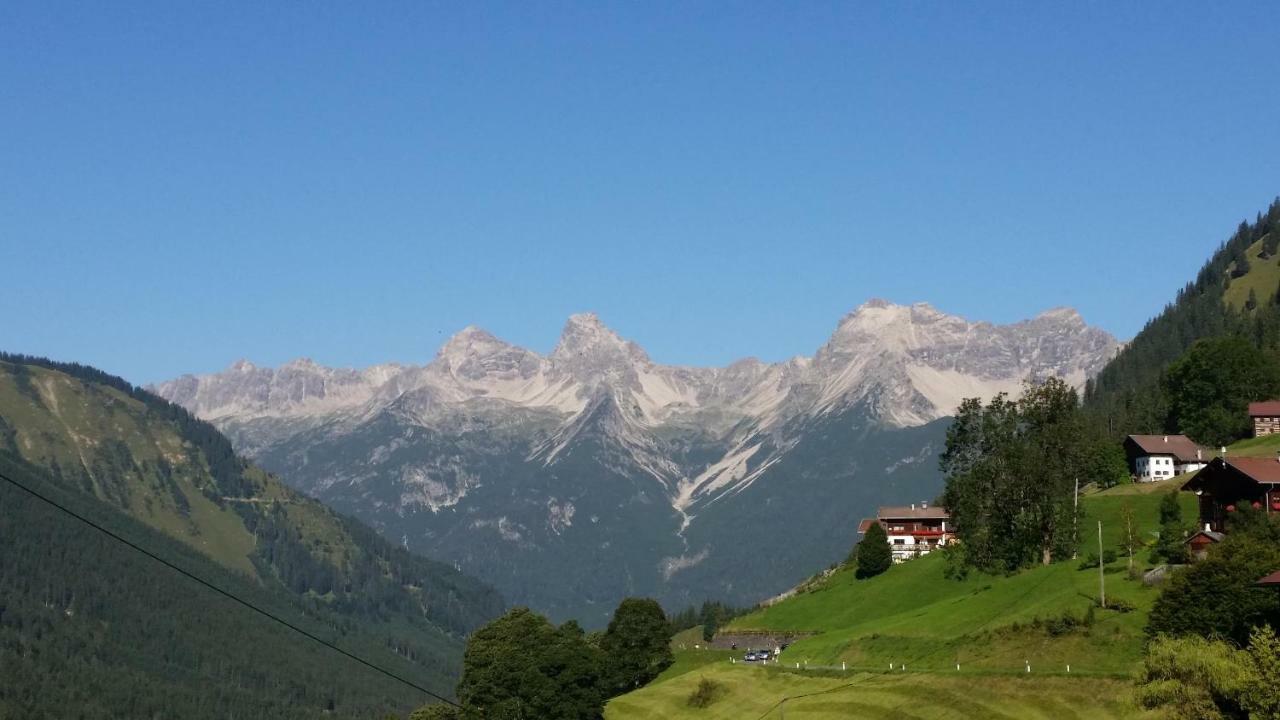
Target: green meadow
[{"x": 1081, "y": 656}]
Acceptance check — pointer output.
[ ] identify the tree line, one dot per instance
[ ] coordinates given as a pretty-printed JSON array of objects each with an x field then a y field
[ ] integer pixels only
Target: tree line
[
  {"x": 522, "y": 666},
  {"x": 1194, "y": 367}
]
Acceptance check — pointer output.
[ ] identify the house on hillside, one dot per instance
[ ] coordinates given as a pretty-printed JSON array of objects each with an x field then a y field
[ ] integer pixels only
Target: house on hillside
[
  {"x": 1265, "y": 417},
  {"x": 1160, "y": 457},
  {"x": 1198, "y": 544},
  {"x": 912, "y": 530},
  {"x": 1227, "y": 484}
]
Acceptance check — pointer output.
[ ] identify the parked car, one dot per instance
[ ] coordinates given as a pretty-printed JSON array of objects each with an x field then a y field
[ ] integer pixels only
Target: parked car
[
  {"x": 763, "y": 654},
  {"x": 749, "y": 657}
]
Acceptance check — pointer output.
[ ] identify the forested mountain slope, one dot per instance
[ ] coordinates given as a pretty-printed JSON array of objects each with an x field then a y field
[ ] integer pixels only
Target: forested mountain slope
[
  {"x": 1235, "y": 292},
  {"x": 131, "y": 638}
]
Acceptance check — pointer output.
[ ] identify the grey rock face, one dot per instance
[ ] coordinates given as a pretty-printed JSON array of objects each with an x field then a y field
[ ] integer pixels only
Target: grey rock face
[{"x": 572, "y": 479}]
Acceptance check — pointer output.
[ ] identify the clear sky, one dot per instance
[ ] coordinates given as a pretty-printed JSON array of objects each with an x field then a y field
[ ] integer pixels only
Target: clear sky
[{"x": 183, "y": 184}]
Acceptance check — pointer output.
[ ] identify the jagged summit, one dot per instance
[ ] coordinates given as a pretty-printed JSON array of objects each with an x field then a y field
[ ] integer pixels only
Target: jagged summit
[
  {"x": 586, "y": 338},
  {"x": 915, "y": 360},
  {"x": 599, "y": 467}
]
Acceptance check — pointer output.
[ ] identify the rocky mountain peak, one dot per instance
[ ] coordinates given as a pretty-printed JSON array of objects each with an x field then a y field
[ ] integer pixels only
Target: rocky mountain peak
[
  {"x": 471, "y": 341},
  {"x": 1064, "y": 315},
  {"x": 587, "y": 345},
  {"x": 474, "y": 354}
]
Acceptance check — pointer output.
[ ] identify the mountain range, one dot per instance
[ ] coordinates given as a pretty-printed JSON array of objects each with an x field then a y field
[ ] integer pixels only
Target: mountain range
[{"x": 571, "y": 479}]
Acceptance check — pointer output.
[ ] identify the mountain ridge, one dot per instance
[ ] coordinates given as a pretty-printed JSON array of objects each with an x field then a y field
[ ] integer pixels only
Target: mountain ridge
[
  {"x": 587, "y": 351},
  {"x": 596, "y": 448}
]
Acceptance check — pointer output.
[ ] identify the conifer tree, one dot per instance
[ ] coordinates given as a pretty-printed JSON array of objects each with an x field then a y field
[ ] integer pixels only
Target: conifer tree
[
  {"x": 1171, "y": 547},
  {"x": 874, "y": 553}
]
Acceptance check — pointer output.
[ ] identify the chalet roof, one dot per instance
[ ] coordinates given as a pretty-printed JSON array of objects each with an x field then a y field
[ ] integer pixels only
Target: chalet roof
[
  {"x": 1179, "y": 446},
  {"x": 1260, "y": 469},
  {"x": 912, "y": 512},
  {"x": 865, "y": 524},
  {"x": 1273, "y": 579},
  {"x": 1235, "y": 471},
  {"x": 1266, "y": 408},
  {"x": 1212, "y": 535}
]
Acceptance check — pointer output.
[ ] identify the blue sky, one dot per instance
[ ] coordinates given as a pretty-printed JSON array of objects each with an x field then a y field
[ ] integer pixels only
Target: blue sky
[{"x": 183, "y": 184}]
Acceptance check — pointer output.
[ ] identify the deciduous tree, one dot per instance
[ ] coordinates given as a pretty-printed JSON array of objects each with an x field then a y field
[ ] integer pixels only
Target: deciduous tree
[
  {"x": 1211, "y": 386},
  {"x": 521, "y": 666},
  {"x": 637, "y": 645}
]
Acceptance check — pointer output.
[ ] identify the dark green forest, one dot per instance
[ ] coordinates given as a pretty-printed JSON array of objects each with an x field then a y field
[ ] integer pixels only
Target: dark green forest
[
  {"x": 378, "y": 581},
  {"x": 90, "y": 628},
  {"x": 1135, "y": 392},
  {"x": 90, "y": 624}
]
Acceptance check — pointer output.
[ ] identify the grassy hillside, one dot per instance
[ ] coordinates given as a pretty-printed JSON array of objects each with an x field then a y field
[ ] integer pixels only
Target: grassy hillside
[
  {"x": 992, "y": 626},
  {"x": 1263, "y": 278},
  {"x": 134, "y": 458}
]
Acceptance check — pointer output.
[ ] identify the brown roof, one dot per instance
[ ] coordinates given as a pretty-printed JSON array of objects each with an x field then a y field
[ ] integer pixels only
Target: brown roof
[
  {"x": 865, "y": 524},
  {"x": 1272, "y": 579},
  {"x": 1260, "y": 469},
  {"x": 1213, "y": 536},
  {"x": 1267, "y": 408},
  {"x": 1179, "y": 446},
  {"x": 1235, "y": 470},
  {"x": 908, "y": 512}
]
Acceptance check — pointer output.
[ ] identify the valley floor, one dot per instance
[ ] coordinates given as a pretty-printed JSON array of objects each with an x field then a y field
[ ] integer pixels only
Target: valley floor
[{"x": 756, "y": 692}]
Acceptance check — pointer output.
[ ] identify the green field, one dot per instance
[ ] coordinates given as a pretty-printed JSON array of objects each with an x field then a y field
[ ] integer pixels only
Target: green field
[
  {"x": 991, "y": 626},
  {"x": 751, "y": 693}
]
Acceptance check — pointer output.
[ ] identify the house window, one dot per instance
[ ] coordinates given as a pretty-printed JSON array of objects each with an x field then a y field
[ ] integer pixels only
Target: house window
[{"x": 899, "y": 541}]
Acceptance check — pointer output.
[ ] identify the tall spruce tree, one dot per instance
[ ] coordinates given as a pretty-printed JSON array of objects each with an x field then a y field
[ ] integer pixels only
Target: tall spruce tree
[
  {"x": 874, "y": 555},
  {"x": 1171, "y": 546}
]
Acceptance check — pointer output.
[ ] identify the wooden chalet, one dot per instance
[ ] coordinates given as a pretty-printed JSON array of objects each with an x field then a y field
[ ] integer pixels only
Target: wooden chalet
[
  {"x": 912, "y": 530},
  {"x": 1227, "y": 484},
  {"x": 1265, "y": 416}
]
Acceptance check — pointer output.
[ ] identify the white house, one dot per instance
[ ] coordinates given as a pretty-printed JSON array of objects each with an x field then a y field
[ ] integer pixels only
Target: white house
[
  {"x": 912, "y": 531},
  {"x": 1159, "y": 457}
]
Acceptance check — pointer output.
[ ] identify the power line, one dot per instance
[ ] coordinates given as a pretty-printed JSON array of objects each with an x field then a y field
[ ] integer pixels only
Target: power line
[{"x": 225, "y": 593}]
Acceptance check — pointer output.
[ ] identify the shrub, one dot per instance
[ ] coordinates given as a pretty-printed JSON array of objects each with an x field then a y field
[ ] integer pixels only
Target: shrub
[
  {"x": 1194, "y": 678},
  {"x": 707, "y": 692},
  {"x": 1120, "y": 605}
]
